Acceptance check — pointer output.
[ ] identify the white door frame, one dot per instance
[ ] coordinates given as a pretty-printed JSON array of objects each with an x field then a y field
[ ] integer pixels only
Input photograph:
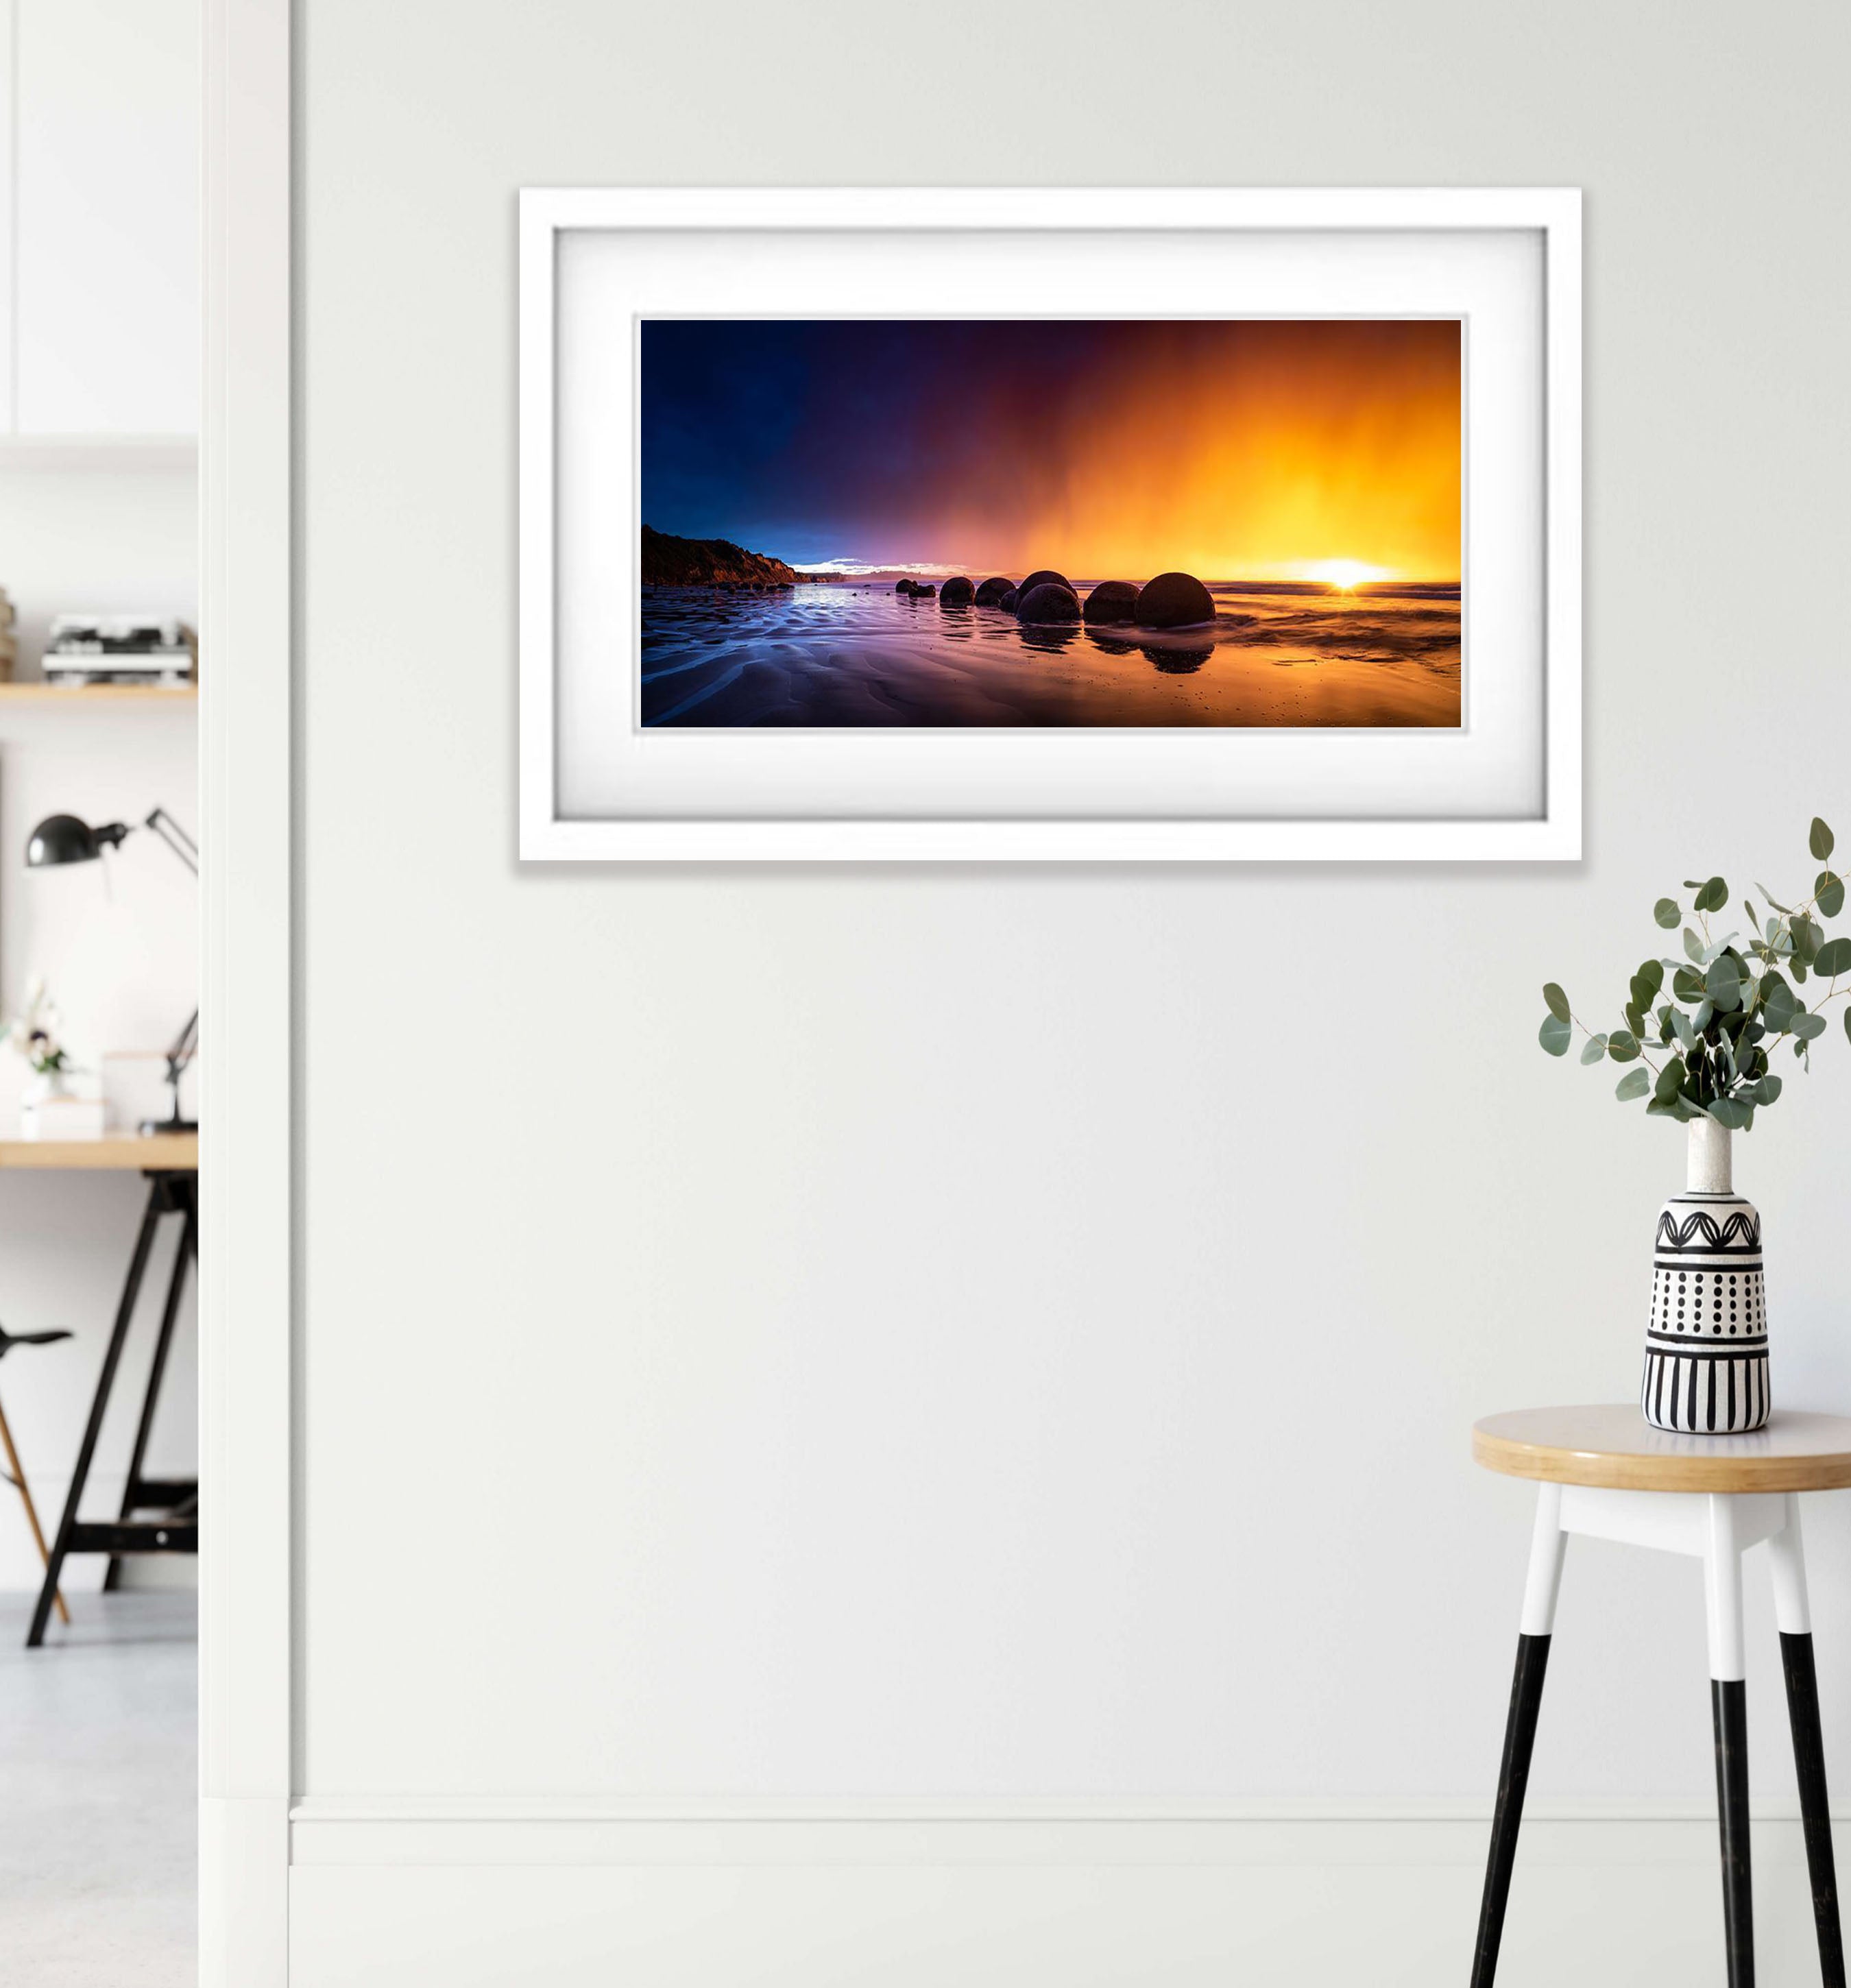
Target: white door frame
[{"x": 246, "y": 1255}]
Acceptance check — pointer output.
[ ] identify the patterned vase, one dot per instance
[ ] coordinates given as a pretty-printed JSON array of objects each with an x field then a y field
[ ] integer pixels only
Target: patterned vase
[{"x": 1707, "y": 1343}]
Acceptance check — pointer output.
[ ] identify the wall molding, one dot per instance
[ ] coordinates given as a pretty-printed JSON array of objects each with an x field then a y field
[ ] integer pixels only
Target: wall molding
[
  {"x": 246, "y": 1082},
  {"x": 567, "y": 1830}
]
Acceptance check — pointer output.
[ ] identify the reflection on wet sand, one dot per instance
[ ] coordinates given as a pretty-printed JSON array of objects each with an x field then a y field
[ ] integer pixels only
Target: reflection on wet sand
[
  {"x": 1180, "y": 662},
  {"x": 830, "y": 656}
]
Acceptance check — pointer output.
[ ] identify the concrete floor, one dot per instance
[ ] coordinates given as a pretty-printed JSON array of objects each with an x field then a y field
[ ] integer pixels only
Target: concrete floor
[{"x": 98, "y": 1770}]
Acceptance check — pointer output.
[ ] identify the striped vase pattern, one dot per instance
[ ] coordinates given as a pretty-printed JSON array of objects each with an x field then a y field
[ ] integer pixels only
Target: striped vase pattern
[{"x": 1706, "y": 1367}]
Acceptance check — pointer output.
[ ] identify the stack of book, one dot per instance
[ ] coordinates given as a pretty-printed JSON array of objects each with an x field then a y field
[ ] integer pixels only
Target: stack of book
[
  {"x": 75, "y": 1110},
  {"x": 120, "y": 649}
]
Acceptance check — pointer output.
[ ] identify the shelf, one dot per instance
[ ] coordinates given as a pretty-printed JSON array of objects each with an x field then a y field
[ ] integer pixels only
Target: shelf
[
  {"x": 101, "y": 452},
  {"x": 46, "y": 694}
]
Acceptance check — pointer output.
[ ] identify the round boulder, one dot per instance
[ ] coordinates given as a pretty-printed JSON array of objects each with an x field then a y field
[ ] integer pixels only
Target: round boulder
[
  {"x": 1174, "y": 600},
  {"x": 903, "y": 587},
  {"x": 1113, "y": 600},
  {"x": 991, "y": 593},
  {"x": 1044, "y": 576},
  {"x": 1051, "y": 603},
  {"x": 957, "y": 592},
  {"x": 923, "y": 589},
  {"x": 1007, "y": 604}
]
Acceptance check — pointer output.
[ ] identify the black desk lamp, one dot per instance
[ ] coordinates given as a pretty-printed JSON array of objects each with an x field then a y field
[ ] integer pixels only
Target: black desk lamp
[{"x": 63, "y": 838}]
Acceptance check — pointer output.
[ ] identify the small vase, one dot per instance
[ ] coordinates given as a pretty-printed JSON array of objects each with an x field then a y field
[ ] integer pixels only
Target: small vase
[
  {"x": 1707, "y": 1343},
  {"x": 44, "y": 1085}
]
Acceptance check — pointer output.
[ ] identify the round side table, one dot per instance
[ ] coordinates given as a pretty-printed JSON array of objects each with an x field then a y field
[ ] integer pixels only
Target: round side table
[{"x": 1605, "y": 1472}]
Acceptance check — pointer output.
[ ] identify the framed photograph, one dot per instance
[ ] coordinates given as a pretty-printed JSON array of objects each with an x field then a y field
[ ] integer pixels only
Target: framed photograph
[{"x": 1152, "y": 525}]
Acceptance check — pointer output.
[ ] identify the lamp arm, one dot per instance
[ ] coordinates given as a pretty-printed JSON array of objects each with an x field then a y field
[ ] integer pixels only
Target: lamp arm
[
  {"x": 181, "y": 1054},
  {"x": 175, "y": 837}
]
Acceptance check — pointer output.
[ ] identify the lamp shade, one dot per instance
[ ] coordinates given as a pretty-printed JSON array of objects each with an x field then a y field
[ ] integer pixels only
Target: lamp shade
[{"x": 61, "y": 838}]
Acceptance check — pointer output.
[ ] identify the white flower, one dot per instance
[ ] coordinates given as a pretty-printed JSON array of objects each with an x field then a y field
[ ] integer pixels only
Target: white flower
[{"x": 34, "y": 1033}]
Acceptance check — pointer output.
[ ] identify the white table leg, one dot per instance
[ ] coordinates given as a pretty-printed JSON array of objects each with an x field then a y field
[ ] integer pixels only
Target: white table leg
[
  {"x": 1548, "y": 1543},
  {"x": 1728, "y": 1708},
  {"x": 1722, "y": 1589},
  {"x": 1787, "y": 1549}
]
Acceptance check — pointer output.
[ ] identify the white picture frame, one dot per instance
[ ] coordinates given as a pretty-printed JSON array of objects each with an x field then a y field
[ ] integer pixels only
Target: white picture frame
[{"x": 1508, "y": 783}]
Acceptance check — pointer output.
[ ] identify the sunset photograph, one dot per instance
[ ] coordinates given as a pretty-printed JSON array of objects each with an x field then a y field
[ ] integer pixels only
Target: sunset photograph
[{"x": 1051, "y": 523}]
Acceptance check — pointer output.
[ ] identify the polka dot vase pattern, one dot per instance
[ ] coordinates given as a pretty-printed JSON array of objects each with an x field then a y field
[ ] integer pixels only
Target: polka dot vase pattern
[{"x": 1707, "y": 1343}]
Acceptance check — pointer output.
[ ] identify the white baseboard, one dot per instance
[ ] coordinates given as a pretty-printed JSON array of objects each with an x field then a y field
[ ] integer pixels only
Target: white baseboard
[
  {"x": 243, "y": 1879},
  {"x": 1009, "y": 1894}
]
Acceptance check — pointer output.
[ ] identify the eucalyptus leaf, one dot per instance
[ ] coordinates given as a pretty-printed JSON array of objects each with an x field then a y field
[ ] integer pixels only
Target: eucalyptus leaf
[
  {"x": 1693, "y": 946},
  {"x": 1808, "y": 938},
  {"x": 1556, "y": 1001},
  {"x": 1705, "y": 1015},
  {"x": 1713, "y": 896},
  {"x": 1669, "y": 1079},
  {"x": 1774, "y": 901},
  {"x": 1635, "y": 1083},
  {"x": 1554, "y": 1035},
  {"x": 1594, "y": 1048},
  {"x": 1724, "y": 982},
  {"x": 1686, "y": 986},
  {"x": 1808, "y": 1028},
  {"x": 1834, "y": 956},
  {"x": 1726, "y": 1111},
  {"x": 1621, "y": 1047},
  {"x": 1820, "y": 841},
  {"x": 1829, "y": 891},
  {"x": 1680, "y": 1024},
  {"x": 1665, "y": 912}
]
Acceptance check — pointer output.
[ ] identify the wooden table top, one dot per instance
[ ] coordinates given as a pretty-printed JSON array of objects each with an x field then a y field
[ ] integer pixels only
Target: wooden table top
[
  {"x": 1615, "y": 1449},
  {"x": 176, "y": 1152}
]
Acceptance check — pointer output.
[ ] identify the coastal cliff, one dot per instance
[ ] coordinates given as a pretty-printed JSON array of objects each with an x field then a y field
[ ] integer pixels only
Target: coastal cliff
[{"x": 668, "y": 561}]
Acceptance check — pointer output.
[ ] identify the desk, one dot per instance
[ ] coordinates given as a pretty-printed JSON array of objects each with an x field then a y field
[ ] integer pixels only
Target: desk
[{"x": 170, "y": 1163}]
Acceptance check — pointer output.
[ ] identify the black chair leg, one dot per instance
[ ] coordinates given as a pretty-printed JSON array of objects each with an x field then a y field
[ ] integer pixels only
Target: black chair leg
[
  {"x": 1512, "y": 1779},
  {"x": 1729, "y": 1708},
  {"x": 1809, "y": 1765}
]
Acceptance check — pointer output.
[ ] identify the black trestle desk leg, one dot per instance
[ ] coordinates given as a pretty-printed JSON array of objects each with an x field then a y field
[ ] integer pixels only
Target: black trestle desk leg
[
  {"x": 131, "y": 1489},
  {"x": 157, "y": 1201}
]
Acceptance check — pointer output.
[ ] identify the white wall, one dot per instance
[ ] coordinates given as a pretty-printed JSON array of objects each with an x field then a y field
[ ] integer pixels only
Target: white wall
[
  {"x": 994, "y": 1334},
  {"x": 120, "y": 953}
]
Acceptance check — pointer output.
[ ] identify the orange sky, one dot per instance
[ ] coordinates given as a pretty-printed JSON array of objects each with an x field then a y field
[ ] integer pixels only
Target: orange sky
[{"x": 1260, "y": 457}]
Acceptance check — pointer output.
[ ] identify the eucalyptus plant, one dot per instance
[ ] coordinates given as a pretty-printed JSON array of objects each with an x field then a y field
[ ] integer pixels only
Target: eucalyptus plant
[{"x": 1709, "y": 1046}]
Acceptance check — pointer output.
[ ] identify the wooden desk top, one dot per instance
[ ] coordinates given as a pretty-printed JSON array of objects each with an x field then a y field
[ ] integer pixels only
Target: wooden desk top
[
  {"x": 177, "y": 1152},
  {"x": 1616, "y": 1448}
]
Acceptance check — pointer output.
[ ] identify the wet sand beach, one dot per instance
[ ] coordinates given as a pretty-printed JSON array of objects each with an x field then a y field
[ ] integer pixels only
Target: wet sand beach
[{"x": 838, "y": 655}]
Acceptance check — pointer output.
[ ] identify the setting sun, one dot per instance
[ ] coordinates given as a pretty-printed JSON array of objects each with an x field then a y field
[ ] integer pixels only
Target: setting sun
[{"x": 1344, "y": 574}]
